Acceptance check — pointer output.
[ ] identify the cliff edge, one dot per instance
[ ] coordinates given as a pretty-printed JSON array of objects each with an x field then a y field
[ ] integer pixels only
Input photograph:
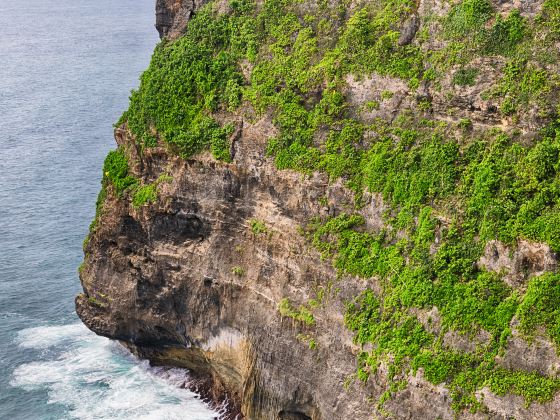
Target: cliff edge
[{"x": 339, "y": 210}]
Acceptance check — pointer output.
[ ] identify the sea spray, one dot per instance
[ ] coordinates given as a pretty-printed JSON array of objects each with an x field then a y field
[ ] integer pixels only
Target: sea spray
[{"x": 94, "y": 377}]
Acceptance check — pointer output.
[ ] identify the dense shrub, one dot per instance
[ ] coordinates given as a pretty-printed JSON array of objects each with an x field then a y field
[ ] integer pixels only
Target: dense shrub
[
  {"x": 115, "y": 170},
  {"x": 188, "y": 80},
  {"x": 144, "y": 194}
]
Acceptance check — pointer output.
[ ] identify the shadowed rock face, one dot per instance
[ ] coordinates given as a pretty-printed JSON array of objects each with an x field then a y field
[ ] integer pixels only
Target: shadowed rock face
[{"x": 172, "y": 16}]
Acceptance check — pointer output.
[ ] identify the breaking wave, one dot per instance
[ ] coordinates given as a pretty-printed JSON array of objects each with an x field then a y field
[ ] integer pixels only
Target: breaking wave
[{"x": 96, "y": 378}]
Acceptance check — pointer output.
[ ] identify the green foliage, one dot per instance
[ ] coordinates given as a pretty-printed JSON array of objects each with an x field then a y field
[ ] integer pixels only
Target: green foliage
[
  {"x": 465, "y": 306},
  {"x": 551, "y": 19},
  {"x": 386, "y": 95},
  {"x": 219, "y": 144},
  {"x": 144, "y": 194},
  {"x": 164, "y": 178},
  {"x": 96, "y": 302},
  {"x": 369, "y": 42},
  {"x": 512, "y": 191},
  {"x": 473, "y": 29},
  {"x": 312, "y": 344},
  {"x": 493, "y": 184},
  {"x": 445, "y": 197},
  {"x": 413, "y": 170},
  {"x": 303, "y": 314},
  {"x": 372, "y": 105},
  {"x": 309, "y": 339},
  {"x": 532, "y": 386},
  {"x": 238, "y": 271},
  {"x": 441, "y": 366},
  {"x": 484, "y": 302},
  {"x": 465, "y": 76},
  {"x": 467, "y": 18},
  {"x": 521, "y": 84},
  {"x": 258, "y": 227},
  {"x": 115, "y": 170},
  {"x": 186, "y": 81},
  {"x": 541, "y": 307},
  {"x": 148, "y": 193},
  {"x": 467, "y": 300},
  {"x": 465, "y": 124},
  {"x": 505, "y": 34}
]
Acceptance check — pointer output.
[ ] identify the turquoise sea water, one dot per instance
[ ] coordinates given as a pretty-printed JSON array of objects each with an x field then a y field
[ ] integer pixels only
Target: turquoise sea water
[{"x": 66, "y": 69}]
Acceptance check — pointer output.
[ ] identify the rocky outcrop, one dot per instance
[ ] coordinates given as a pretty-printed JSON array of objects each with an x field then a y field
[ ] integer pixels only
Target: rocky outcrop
[
  {"x": 186, "y": 282},
  {"x": 172, "y": 16},
  {"x": 526, "y": 260}
]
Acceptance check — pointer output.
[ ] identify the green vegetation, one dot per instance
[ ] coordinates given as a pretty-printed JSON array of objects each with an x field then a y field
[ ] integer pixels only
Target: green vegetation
[
  {"x": 148, "y": 193},
  {"x": 96, "y": 302},
  {"x": 468, "y": 18},
  {"x": 550, "y": 19},
  {"x": 521, "y": 84},
  {"x": 309, "y": 340},
  {"x": 541, "y": 307},
  {"x": 258, "y": 227},
  {"x": 465, "y": 76},
  {"x": 499, "y": 189},
  {"x": 238, "y": 271},
  {"x": 164, "y": 179},
  {"x": 532, "y": 386},
  {"x": 467, "y": 23},
  {"x": 144, "y": 194},
  {"x": 199, "y": 75},
  {"x": 188, "y": 80},
  {"x": 505, "y": 34},
  {"x": 303, "y": 314},
  {"x": 116, "y": 174},
  {"x": 465, "y": 124},
  {"x": 115, "y": 171},
  {"x": 386, "y": 95}
]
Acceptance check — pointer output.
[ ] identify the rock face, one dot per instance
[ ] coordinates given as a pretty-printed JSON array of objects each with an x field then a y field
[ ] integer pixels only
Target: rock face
[
  {"x": 172, "y": 16},
  {"x": 163, "y": 283},
  {"x": 196, "y": 279}
]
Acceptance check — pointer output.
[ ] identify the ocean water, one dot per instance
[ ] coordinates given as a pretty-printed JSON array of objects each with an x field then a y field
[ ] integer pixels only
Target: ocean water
[{"x": 66, "y": 69}]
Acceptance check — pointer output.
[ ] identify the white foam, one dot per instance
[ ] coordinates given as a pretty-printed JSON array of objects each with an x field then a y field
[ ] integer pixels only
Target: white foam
[
  {"x": 95, "y": 379},
  {"x": 44, "y": 337}
]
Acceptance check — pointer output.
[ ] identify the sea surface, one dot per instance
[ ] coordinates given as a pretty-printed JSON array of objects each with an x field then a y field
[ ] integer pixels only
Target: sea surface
[{"x": 66, "y": 70}]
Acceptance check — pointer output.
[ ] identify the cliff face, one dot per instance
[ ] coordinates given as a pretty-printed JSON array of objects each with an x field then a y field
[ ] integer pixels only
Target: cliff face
[
  {"x": 173, "y": 292},
  {"x": 216, "y": 264}
]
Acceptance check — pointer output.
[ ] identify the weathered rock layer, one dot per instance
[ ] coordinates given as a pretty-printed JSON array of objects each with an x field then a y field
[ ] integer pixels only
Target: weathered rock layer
[{"x": 163, "y": 282}]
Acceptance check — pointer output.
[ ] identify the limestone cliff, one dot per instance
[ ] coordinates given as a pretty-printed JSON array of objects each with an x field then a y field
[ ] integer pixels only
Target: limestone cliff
[{"x": 281, "y": 283}]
